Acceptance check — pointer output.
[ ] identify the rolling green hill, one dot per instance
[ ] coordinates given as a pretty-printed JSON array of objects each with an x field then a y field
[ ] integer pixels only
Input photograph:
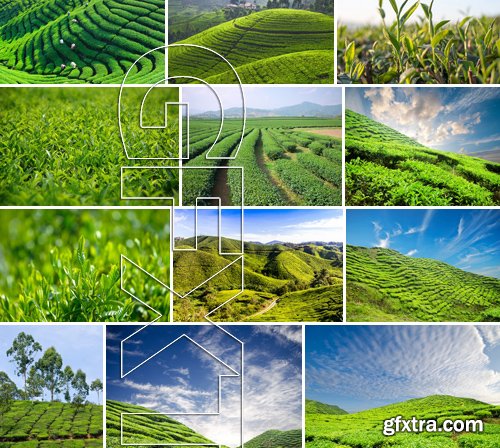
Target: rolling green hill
[
  {"x": 40, "y": 40},
  {"x": 384, "y": 285},
  {"x": 51, "y": 424},
  {"x": 270, "y": 46},
  {"x": 292, "y": 282},
  {"x": 276, "y": 439},
  {"x": 364, "y": 429},
  {"x": 385, "y": 167},
  {"x": 316, "y": 407}
]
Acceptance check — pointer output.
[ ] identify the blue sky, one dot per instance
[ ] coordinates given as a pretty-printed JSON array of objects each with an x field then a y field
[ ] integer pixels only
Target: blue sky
[
  {"x": 452, "y": 119},
  {"x": 183, "y": 378},
  {"x": 366, "y": 11},
  {"x": 264, "y": 225},
  {"x": 362, "y": 367},
  {"x": 467, "y": 239},
  {"x": 79, "y": 345},
  {"x": 202, "y": 99}
]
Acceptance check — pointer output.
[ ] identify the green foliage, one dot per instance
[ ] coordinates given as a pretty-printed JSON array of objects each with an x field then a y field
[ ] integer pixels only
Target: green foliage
[
  {"x": 80, "y": 386},
  {"x": 64, "y": 265},
  {"x": 271, "y": 46},
  {"x": 277, "y": 439},
  {"x": 384, "y": 167},
  {"x": 383, "y": 284},
  {"x": 316, "y": 407},
  {"x": 108, "y": 36},
  {"x": 50, "y": 368},
  {"x": 423, "y": 52}
]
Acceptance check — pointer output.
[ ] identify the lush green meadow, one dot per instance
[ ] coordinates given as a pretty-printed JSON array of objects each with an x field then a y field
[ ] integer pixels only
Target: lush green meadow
[
  {"x": 277, "y": 439},
  {"x": 61, "y": 146},
  {"x": 364, "y": 429},
  {"x": 301, "y": 282},
  {"x": 385, "y": 167},
  {"x": 51, "y": 41},
  {"x": 64, "y": 265},
  {"x": 384, "y": 285},
  {"x": 285, "y": 162},
  {"x": 49, "y": 425},
  {"x": 265, "y": 47},
  {"x": 427, "y": 51}
]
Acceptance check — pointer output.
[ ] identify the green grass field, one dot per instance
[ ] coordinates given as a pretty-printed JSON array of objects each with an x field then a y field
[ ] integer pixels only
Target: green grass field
[
  {"x": 64, "y": 265},
  {"x": 49, "y": 425},
  {"x": 364, "y": 429},
  {"x": 277, "y": 439},
  {"x": 96, "y": 42},
  {"x": 282, "y": 283},
  {"x": 286, "y": 162},
  {"x": 316, "y": 407},
  {"x": 61, "y": 146},
  {"x": 385, "y": 167},
  {"x": 266, "y": 47},
  {"x": 384, "y": 285}
]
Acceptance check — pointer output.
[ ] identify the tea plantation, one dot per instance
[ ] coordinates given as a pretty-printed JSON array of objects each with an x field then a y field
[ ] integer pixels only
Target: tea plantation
[
  {"x": 384, "y": 285},
  {"x": 54, "y": 41},
  {"x": 270, "y": 46},
  {"x": 385, "y": 167},
  {"x": 276, "y": 439},
  {"x": 49, "y": 425},
  {"x": 364, "y": 429}
]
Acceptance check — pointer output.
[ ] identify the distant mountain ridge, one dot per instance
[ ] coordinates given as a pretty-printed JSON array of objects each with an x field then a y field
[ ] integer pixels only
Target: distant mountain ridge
[
  {"x": 304, "y": 109},
  {"x": 317, "y": 407}
]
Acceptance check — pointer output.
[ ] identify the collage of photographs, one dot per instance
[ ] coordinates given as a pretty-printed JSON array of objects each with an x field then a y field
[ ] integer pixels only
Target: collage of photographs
[{"x": 250, "y": 223}]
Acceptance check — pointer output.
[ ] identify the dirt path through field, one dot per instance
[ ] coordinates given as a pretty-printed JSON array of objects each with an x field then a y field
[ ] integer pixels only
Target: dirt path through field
[
  {"x": 266, "y": 309},
  {"x": 221, "y": 188},
  {"x": 335, "y": 132}
]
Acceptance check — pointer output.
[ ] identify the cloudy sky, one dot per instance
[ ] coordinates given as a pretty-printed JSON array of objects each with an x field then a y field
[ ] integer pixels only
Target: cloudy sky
[
  {"x": 362, "y": 367},
  {"x": 360, "y": 12},
  {"x": 265, "y": 225},
  {"x": 467, "y": 239},
  {"x": 452, "y": 119},
  {"x": 184, "y": 378},
  {"x": 79, "y": 345}
]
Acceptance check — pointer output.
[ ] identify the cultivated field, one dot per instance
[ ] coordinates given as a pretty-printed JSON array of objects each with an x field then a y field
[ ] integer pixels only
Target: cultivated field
[
  {"x": 384, "y": 285},
  {"x": 364, "y": 429},
  {"x": 283, "y": 165},
  {"x": 385, "y": 167},
  {"x": 270, "y": 46},
  {"x": 97, "y": 41}
]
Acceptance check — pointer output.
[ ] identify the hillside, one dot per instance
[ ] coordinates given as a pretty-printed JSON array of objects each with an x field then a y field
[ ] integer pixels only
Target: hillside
[
  {"x": 384, "y": 285},
  {"x": 270, "y": 46},
  {"x": 293, "y": 282},
  {"x": 38, "y": 421},
  {"x": 316, "y": 407},
  {"x": 364, "y": 429},
  {"x": 40, "y": 40},
  {"x": 146, "y": 429},
  {"x": 276, "y": 439},
  {"x": 385, "y": 167}
]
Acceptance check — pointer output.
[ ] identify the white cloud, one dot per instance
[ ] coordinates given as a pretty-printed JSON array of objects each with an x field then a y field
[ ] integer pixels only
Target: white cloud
[
  {"x": 411, "y": 253},
  {"x": 424, "y": 226}
]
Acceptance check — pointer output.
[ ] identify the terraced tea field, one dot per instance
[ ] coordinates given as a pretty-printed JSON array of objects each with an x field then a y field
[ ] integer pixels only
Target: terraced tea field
[
  {"x": 385, "y": 167},
  {"x": 301, "y": 282},
  {"x": 282, "y": 165},
  {"x": 364, "y": 429},
  {"x": 52, "y": 41},
  {"x": 272, "y": 46},
  {"x": 276, "y": 439},
  {"x": 49, "y": 425},
  {"x": 384, "y": 285}
]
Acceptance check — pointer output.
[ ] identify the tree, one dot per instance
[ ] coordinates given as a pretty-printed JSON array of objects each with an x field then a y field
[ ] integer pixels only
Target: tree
[
  {"x": 50, "y": 367},
  {"x": 96, "y": 386},
  {"x": 68, "y": 376},
  {"x": 8, "y": 393},
  {"x": 34, "y": 384},
  {"x": 79, "y": 384},
  {"x": 23, "y": 350}
]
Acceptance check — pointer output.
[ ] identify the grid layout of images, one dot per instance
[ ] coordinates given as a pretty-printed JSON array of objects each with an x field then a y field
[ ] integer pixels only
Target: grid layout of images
[{"x": 249, "y": 224}]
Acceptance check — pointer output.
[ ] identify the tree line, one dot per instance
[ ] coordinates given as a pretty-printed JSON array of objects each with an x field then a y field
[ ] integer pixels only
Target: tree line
[{"x": 44, "y": 372}]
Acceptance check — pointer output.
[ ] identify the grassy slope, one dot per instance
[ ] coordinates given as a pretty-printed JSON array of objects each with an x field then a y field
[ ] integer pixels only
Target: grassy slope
[
  {"x": 384, "y": 285},
  {"x": 364, "y": 429},
  {"x": 40, "y": 421},
  {"x": 146, "y": 429},
  {"x": 267, "y": 267},
  {"x": 260, "y": 46},
  {"x": 276, "y": 439},
  {"x": 109, "y": 36},
  {"x": 385, "y": 167},
  {"x": 316, "y": 407}
]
